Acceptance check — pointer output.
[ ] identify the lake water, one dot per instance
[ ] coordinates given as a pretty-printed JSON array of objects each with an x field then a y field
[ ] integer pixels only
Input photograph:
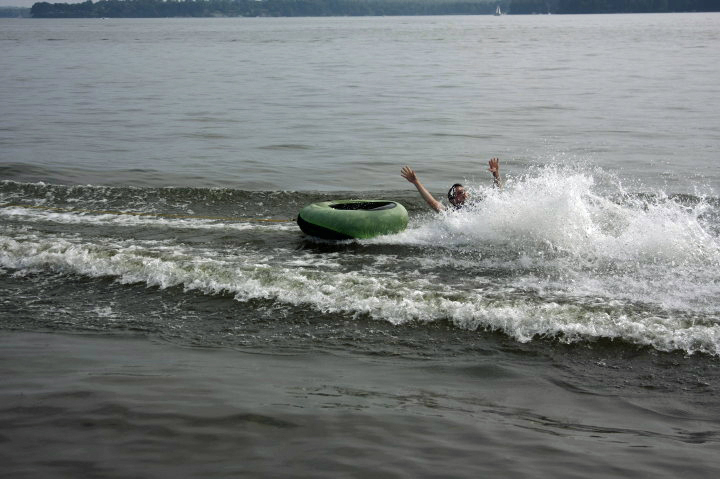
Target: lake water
[{"x": 161, "y": 313}]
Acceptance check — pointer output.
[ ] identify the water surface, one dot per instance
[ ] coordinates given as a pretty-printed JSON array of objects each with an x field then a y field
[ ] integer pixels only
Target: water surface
[{"x": 161, "y": 313}]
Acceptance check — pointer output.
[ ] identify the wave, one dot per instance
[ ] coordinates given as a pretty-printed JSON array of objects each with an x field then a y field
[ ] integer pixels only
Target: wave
[
  {"x": 566, "y": 253},
  {"x": 327, "y": 286},
  {"x": 134, "y": 220}
]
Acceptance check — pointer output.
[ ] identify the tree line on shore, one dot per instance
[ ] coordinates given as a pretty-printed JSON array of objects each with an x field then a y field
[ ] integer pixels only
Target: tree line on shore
[{"x": 305, "y": 8}]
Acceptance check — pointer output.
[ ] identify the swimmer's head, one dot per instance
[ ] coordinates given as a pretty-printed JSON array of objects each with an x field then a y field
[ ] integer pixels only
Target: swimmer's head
[{"x": 457, "y": 195}]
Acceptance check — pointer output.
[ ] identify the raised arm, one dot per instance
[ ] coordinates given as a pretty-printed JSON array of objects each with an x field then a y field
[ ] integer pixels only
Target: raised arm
[
  {"x": 495, "y": 170},
  {"x": 410, "y": 175}
]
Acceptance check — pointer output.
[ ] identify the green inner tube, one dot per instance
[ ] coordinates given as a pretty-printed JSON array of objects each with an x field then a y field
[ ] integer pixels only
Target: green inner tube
[{"x": 352, "y": 219}]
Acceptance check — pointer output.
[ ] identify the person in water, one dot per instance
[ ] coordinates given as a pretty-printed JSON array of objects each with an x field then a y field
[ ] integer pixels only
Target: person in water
[{"x": 456, "y": 195}]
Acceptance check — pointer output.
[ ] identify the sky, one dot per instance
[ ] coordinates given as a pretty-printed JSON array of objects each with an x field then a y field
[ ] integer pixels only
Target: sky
[
  {"x": 29, "y": 3},
  {"x": 18, "y": 3}
]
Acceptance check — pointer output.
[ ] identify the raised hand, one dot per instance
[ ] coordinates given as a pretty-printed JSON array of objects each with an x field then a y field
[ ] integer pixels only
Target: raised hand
[
  {"x": 494, "y": 166},
  {"x": 409, "y": 175},
  {"x": 495, "y": 170}
]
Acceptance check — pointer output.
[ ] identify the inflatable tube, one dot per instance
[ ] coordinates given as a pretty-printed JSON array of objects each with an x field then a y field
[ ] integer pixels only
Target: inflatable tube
[{"x": 352, "y": 219}]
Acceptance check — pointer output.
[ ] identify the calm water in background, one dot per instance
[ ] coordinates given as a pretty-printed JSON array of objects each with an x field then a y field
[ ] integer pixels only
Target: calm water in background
[
  {"x": 290, "y": 104},
  {"x": 154, "y": 323}
]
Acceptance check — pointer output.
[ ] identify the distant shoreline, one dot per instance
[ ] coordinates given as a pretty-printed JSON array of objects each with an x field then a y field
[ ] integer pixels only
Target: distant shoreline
[
  {"x": 15, "y": 12},
  {"x": 329, "y": 8}
]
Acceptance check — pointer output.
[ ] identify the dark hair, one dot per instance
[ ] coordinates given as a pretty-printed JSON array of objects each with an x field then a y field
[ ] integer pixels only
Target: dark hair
[{"x": 451, "y": 192}]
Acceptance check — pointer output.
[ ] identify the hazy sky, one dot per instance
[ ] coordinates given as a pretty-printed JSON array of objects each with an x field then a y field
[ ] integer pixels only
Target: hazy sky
[{"x": 29, "y": 3}]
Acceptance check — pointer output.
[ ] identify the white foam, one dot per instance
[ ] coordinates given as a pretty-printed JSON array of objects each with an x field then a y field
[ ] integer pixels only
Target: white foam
[
  {"x": 397, "y": 299},
  {"x": 558, "y": 252},
  {"x": 585, "y": 240},
  {"x": 131, "y": 220}
]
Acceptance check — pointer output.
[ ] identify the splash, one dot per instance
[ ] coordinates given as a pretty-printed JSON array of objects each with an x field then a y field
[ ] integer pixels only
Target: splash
[
  {"x": 569, "y": 235},
  {"x": 570, "y": 211}
]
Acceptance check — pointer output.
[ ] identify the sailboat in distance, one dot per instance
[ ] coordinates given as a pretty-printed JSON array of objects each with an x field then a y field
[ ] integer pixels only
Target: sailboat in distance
[{"x": 498, "y": 11}]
